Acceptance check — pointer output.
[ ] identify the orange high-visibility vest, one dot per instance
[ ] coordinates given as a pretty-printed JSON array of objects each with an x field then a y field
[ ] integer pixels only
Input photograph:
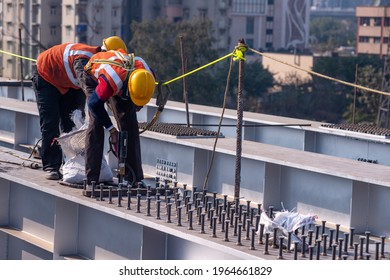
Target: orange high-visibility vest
[
  {"x": 116, "y": 66},
  {"x": 55, "y": 65}
]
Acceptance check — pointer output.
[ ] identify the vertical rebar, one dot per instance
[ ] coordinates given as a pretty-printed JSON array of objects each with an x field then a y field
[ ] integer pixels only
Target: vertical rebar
[
  {"x": 266, "y": 252},
  {"x": 149, "y": 199},
  {"x": 261, "y": 233},
  {"x": 241, "y": 69},
  {"x": 303, "y": 253},
  {"x": 356, "y": 246},
  {"x": 317, "y": 232},
  {"x": 93, "y": 183},
  {"x": 346, "y": 237},
  {"x": 119, "y": 195},
  {"x": 227, "y": 230},
  {"x": 318, "y": 249},
  {"x": 361, "y": 238},
  {"x": 275, "y": 234},
  {"x": 235, "y": 224},
  {"x": 323, "y": 228},
  {"x": 331, "y": 238},
  {"x": 289, "y": 234},
  {"x": 138, "y": 203},
  {"x": 214, "y": 226},
  {"x": 190, "y": 215},
  {"x": 158, "y": 209},
  {"x": 202, "y": 222},
  {"x": 257, "y": 222},
  {"x": 340, "y": 248},
  {"x": 311, "y": 252},
  {"x": 169, "y": 208},
  {"x": 351, "y": 230},
  {"x": 243, "y": 220},
  {"x": 367, "y": 241},
  {"x": 271, "y": 212},
  {"x": 310, "y": 241},
  {"x": 334, "y": 247},
  {"x": 324, "y": 238},
  {"x": 377, "y": 244},
  {"x": 110, "y": 194},
  {"x": 281, "y": 239},
  {"x": 239, "y": 235},
  {"x": 179, "y": 215},
  {"x": 223, "y": 221},
  {"x": 232, "y": 217},
  {"x": 183, "y": 69},
  {"x": 211, "y": 218},
  {"x": 252, "y": 215},
  {"x": 101, "y": 198},
  {"x": 296, "y": 250},
  {"x": 337, "y": 234},
  {"x": 253, "y": 230},
  {"x": 383, "y": 238}
]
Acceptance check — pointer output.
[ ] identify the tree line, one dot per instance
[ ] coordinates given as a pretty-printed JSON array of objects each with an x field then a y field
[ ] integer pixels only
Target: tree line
[{"x": 318, "y": 99}]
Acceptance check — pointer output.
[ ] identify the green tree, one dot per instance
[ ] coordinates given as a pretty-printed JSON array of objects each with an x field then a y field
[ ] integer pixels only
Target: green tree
[
  {"x": 257, "y": 82},
  {"x": 158, "y": 42},
  {"x": 365, "y": 108},
  {"x": 336, "y": 98},
  {"x": 329, "y": 33}
]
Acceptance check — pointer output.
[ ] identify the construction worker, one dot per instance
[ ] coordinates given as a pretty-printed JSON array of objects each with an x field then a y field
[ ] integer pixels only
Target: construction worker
[
  {"x": 56, "y": 82},
  {"x": 126, "y": 83}
]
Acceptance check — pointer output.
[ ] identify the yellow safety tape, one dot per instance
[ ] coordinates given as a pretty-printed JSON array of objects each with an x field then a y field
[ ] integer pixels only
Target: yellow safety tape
[
  {"x": 198, "y": 69},
  {"x": 234, "y": 53},
  {"x": 27, "y": 58},
  {"x": 323, "y": 76}
]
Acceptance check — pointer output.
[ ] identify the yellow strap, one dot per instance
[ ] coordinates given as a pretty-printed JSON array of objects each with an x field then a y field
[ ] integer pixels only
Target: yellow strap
[
  {"x": 322, "y": 76},
  {"x": 127, "y": 64}
]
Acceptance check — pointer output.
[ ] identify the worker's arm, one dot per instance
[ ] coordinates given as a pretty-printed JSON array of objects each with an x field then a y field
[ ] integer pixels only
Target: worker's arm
[
  {"x": 86, "y": 81},
  {"x": 96, "y": 101}
]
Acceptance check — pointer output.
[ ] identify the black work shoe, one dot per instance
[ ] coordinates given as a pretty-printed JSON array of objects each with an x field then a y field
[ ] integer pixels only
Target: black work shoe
[{"x": 53, "y": 175}]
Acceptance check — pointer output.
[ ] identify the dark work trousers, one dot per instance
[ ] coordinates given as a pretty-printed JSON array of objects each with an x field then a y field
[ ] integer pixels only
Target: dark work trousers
[
  {"x": 55, "y": 111},
  {"x": 124, "y": 112}
]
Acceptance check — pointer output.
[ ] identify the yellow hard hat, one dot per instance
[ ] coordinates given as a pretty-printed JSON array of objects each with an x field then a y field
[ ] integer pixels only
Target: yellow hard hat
[
  {"x": 141, "y": 86},
  {"x": 113, "y": 43}
]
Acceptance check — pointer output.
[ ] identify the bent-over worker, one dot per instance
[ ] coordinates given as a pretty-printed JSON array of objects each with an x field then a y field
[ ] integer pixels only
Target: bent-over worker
[
  {"x": 56, "y": 81},
  {"x": 127, "y": 83}
]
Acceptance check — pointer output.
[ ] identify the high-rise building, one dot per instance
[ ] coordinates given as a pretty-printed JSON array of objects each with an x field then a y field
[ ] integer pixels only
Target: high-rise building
[
  {"x": 373, "y": 30},
  {"x": 264, "y": 24}
]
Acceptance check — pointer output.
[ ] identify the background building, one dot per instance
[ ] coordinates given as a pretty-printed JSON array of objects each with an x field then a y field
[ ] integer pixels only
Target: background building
[
  {"x": 264, "y": 24},
  {"x": 373, "y": 30}
]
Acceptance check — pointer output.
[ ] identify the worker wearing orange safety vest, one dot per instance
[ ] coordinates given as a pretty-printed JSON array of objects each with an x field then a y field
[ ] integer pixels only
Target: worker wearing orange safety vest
[
  {"x": 127, "y": 83},
  {"x": 56, "y": 80}
]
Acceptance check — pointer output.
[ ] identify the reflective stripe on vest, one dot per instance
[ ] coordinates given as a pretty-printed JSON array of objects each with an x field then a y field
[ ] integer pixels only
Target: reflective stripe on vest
[{"x": 67, "y": 53}]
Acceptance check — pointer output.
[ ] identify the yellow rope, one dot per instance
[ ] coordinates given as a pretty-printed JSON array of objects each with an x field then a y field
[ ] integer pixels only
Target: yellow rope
[
  {"x": 234, "y": 53},
  {"x": 321, "y": 75},
  {"x": 31, "y": 59},
  {"x": 198, "y": 69}
]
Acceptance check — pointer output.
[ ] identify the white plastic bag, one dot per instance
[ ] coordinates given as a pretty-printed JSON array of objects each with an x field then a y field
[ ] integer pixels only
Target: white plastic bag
[
  {"x": 74, "y": 170},
  {"x": 73, "y": 147}
]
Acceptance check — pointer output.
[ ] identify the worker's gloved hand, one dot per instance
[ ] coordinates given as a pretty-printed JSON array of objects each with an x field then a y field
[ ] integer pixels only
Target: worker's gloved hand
[{"x": 114, "y": 139}]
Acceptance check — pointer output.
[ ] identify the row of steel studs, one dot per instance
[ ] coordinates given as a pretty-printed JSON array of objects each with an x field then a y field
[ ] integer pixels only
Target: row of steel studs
[{"x": 314, "y": 244}]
